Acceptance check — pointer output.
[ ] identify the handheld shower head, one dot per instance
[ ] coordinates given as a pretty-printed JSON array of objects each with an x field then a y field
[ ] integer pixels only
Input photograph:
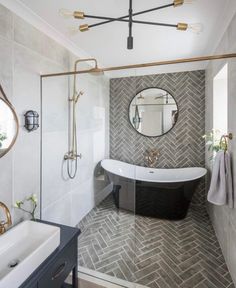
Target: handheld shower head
[{"x": 77, "y": 96}]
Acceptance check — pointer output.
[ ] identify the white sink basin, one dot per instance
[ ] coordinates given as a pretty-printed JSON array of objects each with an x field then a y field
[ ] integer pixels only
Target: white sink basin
[{"x": 29, "y": 243}]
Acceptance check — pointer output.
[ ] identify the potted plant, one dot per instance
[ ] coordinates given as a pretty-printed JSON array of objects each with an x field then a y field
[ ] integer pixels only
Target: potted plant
[{"x": 33, "y": 201}]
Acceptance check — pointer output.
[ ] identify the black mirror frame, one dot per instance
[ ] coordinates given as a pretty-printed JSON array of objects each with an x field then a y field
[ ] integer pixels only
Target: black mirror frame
[{"x": 153, "y": 87}]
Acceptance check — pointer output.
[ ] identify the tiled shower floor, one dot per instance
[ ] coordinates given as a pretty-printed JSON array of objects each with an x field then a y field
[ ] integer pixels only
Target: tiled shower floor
[{"x": 153, "y": 252}]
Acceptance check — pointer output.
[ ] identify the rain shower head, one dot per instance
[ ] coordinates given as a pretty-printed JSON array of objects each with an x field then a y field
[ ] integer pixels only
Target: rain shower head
[{"x": 96, "y": 71}]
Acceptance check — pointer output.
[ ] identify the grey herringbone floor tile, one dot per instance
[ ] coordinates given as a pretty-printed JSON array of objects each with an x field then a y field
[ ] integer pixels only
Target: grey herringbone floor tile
[{"x": 153, "y": 252}]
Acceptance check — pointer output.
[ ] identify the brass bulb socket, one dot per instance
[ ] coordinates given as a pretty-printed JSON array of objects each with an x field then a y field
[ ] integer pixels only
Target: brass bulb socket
[
  {"x": 182, "y": 26},
  {"x": 83, "y": 28},
  {"x": 178, "y": 3},
  {"x": 78, "y": 15}
]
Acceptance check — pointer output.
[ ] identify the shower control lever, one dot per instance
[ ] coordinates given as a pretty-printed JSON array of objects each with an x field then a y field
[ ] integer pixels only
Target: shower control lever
[
  {"x": 72, "y": 156},
  {"x": 79, "y": 156}
]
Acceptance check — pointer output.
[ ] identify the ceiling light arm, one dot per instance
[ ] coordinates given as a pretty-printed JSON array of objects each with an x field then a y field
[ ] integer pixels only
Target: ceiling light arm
[
  {"x": 175, "y": 3},
  {"x": 138, "y": 22},
  {"x": 126, "y": 16},
  {"x": 130, "y": 39}
]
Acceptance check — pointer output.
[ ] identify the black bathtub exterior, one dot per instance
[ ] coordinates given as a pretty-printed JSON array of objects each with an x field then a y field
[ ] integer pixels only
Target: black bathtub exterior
[{"x": 161, "y": 200}]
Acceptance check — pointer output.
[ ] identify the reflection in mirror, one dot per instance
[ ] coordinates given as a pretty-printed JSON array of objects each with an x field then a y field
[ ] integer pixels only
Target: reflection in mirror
[
  {"x": 8, "y": 124},
  {"x": 153, "y": 112}
]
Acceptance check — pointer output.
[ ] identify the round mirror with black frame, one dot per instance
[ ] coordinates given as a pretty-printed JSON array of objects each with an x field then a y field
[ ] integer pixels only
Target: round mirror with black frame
[
  {"x": 9, "y": 125},
  {"x": 153, "y": 112}
]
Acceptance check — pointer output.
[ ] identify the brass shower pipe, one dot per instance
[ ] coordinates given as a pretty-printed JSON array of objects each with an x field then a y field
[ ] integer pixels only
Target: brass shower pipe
[
  {"x": 84, "y": 60},
  {"x": 72, "y": 155},
  {"x": 143, "y": 65}
]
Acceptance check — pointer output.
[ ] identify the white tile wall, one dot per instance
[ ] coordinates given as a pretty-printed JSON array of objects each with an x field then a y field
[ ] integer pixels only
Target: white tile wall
[
  {"x": 6, "y": 23},
  {"x": 25, "y": 53}
]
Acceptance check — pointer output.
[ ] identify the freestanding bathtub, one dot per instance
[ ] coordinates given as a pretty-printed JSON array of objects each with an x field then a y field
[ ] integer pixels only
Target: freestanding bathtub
[{"x": 161, "y": 193}]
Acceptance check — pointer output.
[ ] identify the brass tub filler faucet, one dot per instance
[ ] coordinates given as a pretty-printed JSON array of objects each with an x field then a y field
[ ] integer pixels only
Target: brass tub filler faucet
[{"x": 150, "y": 157}]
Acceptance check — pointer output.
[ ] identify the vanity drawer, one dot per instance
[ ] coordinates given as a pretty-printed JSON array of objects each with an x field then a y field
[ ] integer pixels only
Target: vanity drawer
[
  {"x": 59, "y": 270},
  {"x": 31, "y": 285}
]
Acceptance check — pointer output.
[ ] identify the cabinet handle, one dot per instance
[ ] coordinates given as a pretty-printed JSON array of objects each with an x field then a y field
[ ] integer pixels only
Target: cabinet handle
[{"x": 59, "y": 271}]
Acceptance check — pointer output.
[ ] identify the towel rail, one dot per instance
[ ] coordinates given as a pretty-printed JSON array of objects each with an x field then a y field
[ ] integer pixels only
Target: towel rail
[{"x": 224, "y": 141}]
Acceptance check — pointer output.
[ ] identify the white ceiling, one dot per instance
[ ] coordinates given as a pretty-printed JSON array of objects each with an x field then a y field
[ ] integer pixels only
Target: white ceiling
[{"x": 108, "y": 42}]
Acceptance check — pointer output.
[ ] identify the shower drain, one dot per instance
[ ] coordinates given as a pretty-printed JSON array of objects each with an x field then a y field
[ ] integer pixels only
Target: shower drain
[{"x": 13, "y": 263}]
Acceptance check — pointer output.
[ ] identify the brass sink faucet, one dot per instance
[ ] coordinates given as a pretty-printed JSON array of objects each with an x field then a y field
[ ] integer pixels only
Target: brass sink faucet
[{"x": 5, "y": 224}]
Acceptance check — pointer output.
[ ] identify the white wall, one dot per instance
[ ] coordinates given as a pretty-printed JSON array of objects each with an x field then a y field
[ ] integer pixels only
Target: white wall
[
  {"x": 25, "y": 53},
  {"x": 224, "y": 218},
  {"x": 220, "y": 101}
]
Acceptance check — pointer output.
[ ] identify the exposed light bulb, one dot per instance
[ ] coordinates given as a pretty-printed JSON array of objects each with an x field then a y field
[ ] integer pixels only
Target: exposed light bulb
[
  {"x": 189, "y": 1},
  {"x": 66, "y": 13},
  {"x": 73, "y": 30},
  {"x": 196, "y": 28}
]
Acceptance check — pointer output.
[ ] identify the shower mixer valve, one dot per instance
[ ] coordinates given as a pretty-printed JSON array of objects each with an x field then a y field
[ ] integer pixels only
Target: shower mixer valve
[{"x": 72, "y": 156}]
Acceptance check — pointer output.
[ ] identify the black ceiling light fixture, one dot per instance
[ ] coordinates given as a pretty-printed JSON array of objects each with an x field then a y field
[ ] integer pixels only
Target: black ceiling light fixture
[{"x": 196, "y": 28}]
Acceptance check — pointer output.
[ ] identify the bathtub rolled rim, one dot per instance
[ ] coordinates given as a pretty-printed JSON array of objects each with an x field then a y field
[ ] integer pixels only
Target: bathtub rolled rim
[{"x": 156, "y": 175}]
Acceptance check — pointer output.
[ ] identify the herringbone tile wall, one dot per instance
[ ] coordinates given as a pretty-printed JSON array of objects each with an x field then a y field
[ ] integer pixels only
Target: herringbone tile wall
[{"x": 183, "y": 146}]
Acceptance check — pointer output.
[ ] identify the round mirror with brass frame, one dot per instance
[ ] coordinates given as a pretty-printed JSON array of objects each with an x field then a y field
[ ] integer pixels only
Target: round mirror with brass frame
[
  {"x": 153, "y": 112},
  {"x": 9, "y": 124}
]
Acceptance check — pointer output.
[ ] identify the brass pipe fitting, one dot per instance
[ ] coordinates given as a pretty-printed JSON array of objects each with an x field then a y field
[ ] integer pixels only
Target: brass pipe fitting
[
  {"x": 78, "y": 15},
  {"x": 182, "y": 26},
  {"x": 178, "y": 3},
  {"x": 83, "y": 28}
]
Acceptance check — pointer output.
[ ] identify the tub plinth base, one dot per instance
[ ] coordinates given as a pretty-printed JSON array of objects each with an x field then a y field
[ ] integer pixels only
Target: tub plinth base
[{"x": 161, "y": 200}]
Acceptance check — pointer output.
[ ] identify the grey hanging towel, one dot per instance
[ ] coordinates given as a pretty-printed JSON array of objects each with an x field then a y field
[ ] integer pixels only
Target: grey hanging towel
[{"x": 221, "y": 188}]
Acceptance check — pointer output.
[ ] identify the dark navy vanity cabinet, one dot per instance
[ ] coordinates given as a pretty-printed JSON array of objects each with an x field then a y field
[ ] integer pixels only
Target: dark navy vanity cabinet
[{"x": 53, "y": 272}]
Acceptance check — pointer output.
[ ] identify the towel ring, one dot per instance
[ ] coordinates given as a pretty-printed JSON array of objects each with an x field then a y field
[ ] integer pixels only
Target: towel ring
[{"x": 224, "y": 141}]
